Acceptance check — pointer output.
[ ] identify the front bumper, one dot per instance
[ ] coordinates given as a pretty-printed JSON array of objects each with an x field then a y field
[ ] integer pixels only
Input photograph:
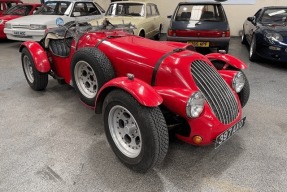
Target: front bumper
[
  {"x": 264, "y": 51},
  {"x": 24, "y": 34},
  {"x": 208, "y": 127},
  {"x": 214, "y": 42}
]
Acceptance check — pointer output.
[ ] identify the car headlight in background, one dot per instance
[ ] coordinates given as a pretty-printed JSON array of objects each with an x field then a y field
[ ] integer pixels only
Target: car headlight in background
[
  {"x": 195, "y": 104},
  {"x": 38, "y": 27},
  {"x": 273, "y": 36},
  {"x": 238, "y": 82},
  {"x": 8, "y": 25}
]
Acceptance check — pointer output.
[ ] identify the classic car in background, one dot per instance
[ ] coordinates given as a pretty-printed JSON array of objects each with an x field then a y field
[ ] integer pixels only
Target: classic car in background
[
  {"x": 33, "y": 27},
  {"x": 145, "y": 16},
  {"x": 202, "y": 24},
  {"x": 6, "y": 4},
  {"x": 14, "y": 12},
  {"x": 142, "y": 90},
  {"x": 266, "y": 33}
]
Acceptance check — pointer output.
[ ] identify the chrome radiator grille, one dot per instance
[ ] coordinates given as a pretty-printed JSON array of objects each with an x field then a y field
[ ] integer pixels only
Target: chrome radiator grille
[{"x": 217, "y": 93}]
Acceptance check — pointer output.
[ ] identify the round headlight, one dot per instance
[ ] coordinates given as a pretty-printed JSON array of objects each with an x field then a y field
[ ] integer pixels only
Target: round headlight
[
  {"x": 238, "y": 82},
  {"x": 195, "y": 104},
  {"x": 274, "y": 36}
]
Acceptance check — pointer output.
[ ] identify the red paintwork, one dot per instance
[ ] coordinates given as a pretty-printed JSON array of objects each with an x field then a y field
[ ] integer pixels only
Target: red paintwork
[
  {"x": 197, "y": 33},
  {"x": 174, "y": 83},
  {"x": 228, "y": 59},
  {"x": 39, "y": 55},
  {"x": 140, "y": 90},
  {"x": 6, "y": 18}
]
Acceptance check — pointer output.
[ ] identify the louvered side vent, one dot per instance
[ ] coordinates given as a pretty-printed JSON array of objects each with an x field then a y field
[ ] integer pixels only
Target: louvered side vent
[{"x": 216, "y": 91}]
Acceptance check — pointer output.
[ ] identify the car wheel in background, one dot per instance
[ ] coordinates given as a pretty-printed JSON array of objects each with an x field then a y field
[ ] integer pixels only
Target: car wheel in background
[
  {"x": 157, "y": 36},
  {"x": 142, "y": 33},
  {"x": 137, "y": 134},
  {"x": 252, "y": 50},
  {"x": 38, "y": 81},
  {"x": 243, "y": 38},
  {"x": 90, "y": 70}
]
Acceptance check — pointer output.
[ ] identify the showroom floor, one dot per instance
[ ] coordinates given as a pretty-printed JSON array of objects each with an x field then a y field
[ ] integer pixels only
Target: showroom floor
[{"x": 49, "y": 141}]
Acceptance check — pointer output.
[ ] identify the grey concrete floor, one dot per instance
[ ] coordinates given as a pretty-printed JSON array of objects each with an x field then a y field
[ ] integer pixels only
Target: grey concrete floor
[{"x": 49, "y": 141}]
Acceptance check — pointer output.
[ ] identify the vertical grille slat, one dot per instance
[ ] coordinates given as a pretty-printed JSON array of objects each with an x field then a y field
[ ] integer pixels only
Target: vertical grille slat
[{"x": 217, "y": 93}]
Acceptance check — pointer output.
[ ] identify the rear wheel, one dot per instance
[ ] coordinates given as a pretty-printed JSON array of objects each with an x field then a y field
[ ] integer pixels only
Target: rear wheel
[
  {"x": 137, "y": 134},
  {"x": 142, "y": 34},
  {"x": 157, "y": 36},
  {"x": 38, "y": 81},
  {"x": 90, "y": 70}
]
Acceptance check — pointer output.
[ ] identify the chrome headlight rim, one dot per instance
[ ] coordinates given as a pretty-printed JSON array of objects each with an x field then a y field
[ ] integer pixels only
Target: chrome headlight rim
[
  {"x": 38, "y": 27},
  {"x": 238, "y": 82},
  {"x": 273, "y": 36},
  {"x": 195, "y": 105}
]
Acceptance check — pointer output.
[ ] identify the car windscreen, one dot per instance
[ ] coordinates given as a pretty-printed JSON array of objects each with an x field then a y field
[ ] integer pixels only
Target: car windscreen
[
  {"x": 204, "y": 12},
  {"x": 274, "y": 15},
  {"x": 19, "y": 10},
  {"x": 126, "y": 9},
  {"x": 53, "y": 8}
]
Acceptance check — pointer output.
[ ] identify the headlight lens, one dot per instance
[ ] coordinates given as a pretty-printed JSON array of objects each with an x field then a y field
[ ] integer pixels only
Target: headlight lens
[
  {"x": 273, "y": 36},
  {"x": 38, "y": 27},
  {"x": 195, "y": 105},
  {"x": 8, "y": 25},
  {"x": 238, "y": 82}
]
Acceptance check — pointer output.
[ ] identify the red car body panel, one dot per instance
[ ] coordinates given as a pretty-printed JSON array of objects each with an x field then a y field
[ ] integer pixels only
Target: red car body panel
[
  {"x": 6, "y": 18},
  {"x": 39, "y": 56},
  {"x": 147, "y": 59}
]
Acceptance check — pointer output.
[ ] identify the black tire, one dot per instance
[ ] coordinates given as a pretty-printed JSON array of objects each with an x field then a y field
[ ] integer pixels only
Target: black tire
[
  {"x": 245, "y": 92},
  {"x": 252, "y": 50},
  {"x": 142, "y": 33},
  {"x": 243, "y": 38},
  {"x": 38, "y": 81},
  {"x": 157, "y": 36},
  {"x": 94, "y": 70},
  {"x": 151, "y": 131}
]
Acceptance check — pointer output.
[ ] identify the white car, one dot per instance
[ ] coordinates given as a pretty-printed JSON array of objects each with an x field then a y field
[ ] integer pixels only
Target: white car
[
  {"x": 144, "y": 15},
  {"x": 33, "y": 27}
]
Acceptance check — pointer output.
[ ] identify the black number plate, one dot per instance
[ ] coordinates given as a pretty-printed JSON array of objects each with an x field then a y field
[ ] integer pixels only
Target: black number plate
[{"x": 220, "y": 139}]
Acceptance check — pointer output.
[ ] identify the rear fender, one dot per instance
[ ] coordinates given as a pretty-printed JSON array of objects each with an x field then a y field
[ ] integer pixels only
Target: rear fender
[
  {"x": 140, "y": 90},
  {"x": 38, "y": 54},
  {"x": 228, "y": 60}
]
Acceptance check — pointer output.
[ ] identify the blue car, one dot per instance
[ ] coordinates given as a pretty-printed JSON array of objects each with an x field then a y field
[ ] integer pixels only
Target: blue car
[{"x": 266, "y": 33}]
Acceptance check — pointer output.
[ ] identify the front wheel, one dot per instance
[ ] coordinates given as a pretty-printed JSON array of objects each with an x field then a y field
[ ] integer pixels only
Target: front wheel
[
  {"x": 252, "y": 51},
  {"x": 137, "y": 134},
  {"x": 38, "y": 81},
  {"x": 243, "y": 37}
]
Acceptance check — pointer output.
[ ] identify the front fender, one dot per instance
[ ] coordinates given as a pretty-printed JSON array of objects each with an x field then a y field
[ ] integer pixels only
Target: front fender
[
  {"x": 38, "y": 54},
  {"x": 227, "y": 59},
  {"x": 140, "y": 90}
]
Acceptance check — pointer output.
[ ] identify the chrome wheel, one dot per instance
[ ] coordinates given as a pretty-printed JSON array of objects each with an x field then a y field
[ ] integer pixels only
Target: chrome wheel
[
  {"x": 252, "y": 46},
  {"x": 125, "y": 131},
  {"x": 28, "y": 68},
  {"x": 86, "y": 79}
]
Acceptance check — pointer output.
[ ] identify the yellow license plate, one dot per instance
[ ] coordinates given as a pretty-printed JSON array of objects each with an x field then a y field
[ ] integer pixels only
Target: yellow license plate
[{"x": 199, "y": 44}]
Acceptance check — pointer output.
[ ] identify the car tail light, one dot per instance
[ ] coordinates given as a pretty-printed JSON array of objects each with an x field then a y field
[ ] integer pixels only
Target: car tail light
[
  {"x": 226, "y": 33},
  {"x": 171, "y": 32}
]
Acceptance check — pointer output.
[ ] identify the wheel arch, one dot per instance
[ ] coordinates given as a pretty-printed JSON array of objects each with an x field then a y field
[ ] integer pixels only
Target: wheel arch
[
  {"x": 227, "y": 60},
  {"x": 38, "y": 54},
  {"x": 140, "y": 90}
]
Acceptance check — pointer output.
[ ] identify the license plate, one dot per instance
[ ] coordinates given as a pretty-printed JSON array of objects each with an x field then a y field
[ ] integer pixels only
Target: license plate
[
  {"x": 199, "y": 44},
  {"x": 20, "y": 33},
  {"x": 220, "y": 139}
]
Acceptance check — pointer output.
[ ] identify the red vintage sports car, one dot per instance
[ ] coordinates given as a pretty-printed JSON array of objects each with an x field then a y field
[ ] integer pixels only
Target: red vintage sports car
[
  {"x": 14, "y": 12},
  {"x": 143, "y": 88}
]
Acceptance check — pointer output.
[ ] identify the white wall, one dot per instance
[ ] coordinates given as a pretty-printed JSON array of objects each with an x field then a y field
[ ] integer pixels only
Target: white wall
[{"x": 236, "y": 14}]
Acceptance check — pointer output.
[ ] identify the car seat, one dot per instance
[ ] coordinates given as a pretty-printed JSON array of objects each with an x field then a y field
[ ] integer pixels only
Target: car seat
[
  {"x": 185, "y": 16},
  {"x": 207, "y": 15}
]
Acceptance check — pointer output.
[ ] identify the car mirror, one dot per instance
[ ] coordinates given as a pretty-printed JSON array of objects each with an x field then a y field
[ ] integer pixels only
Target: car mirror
[
  {"x": 251, "y": 19},
  {"x": 169, "y": 16}
]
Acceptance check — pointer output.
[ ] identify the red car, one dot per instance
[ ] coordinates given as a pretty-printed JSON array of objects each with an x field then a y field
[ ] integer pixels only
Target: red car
[
  {"x": 14, "y": 12},
  {"x": 143, "y": 88},
  {"x": 6, "y": 4}
]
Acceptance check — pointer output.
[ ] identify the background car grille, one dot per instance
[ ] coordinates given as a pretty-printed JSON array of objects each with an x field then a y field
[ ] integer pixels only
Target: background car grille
[
  {"x": 216, "y": 91},
  {"x": 21, "y": 26}
]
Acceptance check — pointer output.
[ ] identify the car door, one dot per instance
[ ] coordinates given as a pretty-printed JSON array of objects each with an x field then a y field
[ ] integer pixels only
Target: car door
[{"x": 250, "y": 26}]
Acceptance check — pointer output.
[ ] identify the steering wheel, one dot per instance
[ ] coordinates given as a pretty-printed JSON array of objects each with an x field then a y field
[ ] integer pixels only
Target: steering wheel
[{"x": 70, "y": 31}]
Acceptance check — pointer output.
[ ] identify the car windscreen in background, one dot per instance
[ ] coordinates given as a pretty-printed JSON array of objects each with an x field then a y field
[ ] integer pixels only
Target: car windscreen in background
[
  {"x": 274, "y": 15},
  {"x": 200, "y": 13}
]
